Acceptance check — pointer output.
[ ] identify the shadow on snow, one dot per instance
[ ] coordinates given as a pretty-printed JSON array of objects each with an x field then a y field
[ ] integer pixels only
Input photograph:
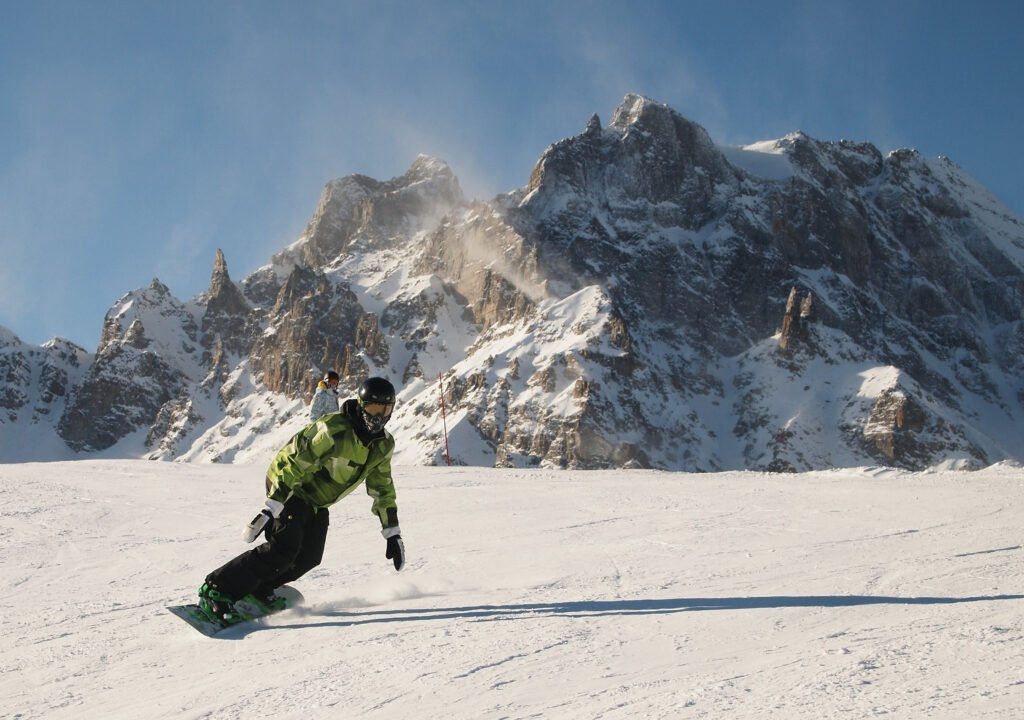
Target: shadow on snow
[{"x": 603, "y": 608}]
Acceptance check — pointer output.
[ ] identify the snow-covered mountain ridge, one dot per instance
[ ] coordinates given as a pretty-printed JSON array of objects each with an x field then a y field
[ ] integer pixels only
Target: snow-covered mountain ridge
[{"x": 648, "y": 299}]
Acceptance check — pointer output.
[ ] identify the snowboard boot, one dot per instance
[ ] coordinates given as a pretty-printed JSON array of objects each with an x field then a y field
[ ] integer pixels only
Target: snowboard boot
[{"x": 219, "y": 607}]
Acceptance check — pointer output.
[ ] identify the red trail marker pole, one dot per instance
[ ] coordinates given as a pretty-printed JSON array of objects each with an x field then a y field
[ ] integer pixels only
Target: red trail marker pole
[{"x": 444, "y": 421}]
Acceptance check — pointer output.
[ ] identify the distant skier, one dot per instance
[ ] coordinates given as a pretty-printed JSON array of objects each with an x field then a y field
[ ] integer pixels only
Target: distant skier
[
  {"x": 325, "y": 399},
  {"x": 317, "y": 467}
]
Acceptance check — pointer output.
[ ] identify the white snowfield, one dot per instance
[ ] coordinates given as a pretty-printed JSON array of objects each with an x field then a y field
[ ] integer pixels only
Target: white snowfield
[{"x": 528, "y": 594}]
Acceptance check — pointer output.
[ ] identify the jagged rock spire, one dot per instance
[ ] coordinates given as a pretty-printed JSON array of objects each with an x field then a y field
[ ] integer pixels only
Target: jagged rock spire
[
  {"x": 223, "y": 296},
  {"x": 227, "y": 313},
  {"x": 795, "y": 322}
]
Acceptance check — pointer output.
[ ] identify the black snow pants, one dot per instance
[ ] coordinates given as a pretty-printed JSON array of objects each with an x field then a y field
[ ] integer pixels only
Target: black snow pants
[{"x": 295, "y": 545}]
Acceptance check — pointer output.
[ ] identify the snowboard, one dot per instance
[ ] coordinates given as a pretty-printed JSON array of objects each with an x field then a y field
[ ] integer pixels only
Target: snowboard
[{"x": 201, "y": 621}]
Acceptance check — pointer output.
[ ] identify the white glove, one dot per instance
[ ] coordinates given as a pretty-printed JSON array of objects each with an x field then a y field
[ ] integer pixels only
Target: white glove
[{"x": 255, "y": 527}]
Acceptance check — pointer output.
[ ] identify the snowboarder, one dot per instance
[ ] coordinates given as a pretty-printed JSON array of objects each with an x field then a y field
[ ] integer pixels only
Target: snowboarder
[
  {"x": 325, "y": 399},
  {"x": 316, "y": 468}
]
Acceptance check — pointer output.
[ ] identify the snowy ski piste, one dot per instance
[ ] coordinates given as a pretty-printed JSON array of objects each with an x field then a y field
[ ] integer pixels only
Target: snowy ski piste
[{"x": 850, "y": 593}]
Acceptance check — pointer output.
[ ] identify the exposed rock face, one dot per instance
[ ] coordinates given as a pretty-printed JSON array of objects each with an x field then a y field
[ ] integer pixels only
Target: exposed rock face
[
  {"x": 621, "y": 310},
  {"x": 488, "y": 262},
  {"x": 173, "y": 422},
  {"x": 16, "y": 375},
  {"x": 125, "y": 389},
  {"x": 227, "y": 317},
  {"x": 796, "y": 320},
  {"x": 61, "y": 363},
  {"x": 35, "y": 384},
  {"x": 133, "y": 375},
  {"x": 310, "y": 328},
  {"x": 700, "y": 251},
  {"x": 907, "y": 435},
  {"x": 136, "y": 335},
  {"x": 358, "y": 212}
]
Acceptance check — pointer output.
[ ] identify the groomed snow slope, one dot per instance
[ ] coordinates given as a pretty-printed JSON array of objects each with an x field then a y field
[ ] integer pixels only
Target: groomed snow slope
[{"x": 528, "y": 594}]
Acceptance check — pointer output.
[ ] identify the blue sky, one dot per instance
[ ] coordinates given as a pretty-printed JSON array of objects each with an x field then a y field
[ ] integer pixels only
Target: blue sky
[{"x": 137, "y": 138}]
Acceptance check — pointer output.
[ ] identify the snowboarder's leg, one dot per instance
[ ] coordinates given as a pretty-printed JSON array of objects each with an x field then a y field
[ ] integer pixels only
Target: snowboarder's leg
[
  {"x": 262, "y": 565},
  {"x": 310, "y": 554}
]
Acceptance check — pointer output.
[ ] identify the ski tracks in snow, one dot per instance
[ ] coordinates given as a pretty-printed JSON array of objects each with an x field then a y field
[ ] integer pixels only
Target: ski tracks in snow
[{"x": 532, "y": 594}]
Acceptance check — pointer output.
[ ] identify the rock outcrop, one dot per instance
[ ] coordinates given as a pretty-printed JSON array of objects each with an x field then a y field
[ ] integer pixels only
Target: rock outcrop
[
  {"x": 227, "y": 317},
  {"x": 622, "y": 309}
]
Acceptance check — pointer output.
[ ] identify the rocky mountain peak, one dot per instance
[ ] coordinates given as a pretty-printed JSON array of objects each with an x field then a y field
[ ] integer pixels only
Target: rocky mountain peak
[
  {"x": 649, "y": 153},
  {"x": 228, "y": 318},
  {"x": 219, "y": 277},
  {"x": 157, "y": 289},
  {"x": 223, "y": 297},
  {"x": 633, "y": 107},
  {"x": 667, "y": 132},
  {"x": 7, "y": 338},
  {"x": 827, "y": 163},
  {"x": 357, "y": 211},
  {"x": 425, "y": 168},
  {"x": 622, "y": 310}
]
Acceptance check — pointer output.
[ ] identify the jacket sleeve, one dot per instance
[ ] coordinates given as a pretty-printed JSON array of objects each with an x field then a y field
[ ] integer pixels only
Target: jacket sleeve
[
  {"x": 304, "y": 454},
  {"x": 381, "y": 487}
]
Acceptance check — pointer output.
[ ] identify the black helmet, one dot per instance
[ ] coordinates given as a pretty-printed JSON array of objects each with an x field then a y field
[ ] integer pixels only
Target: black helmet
[
  {"x": 376, "y": 391},
  {"x": 331, "y": 375}
]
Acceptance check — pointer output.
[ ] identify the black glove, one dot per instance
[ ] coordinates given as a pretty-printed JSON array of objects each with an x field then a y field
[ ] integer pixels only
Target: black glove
[
  {"x": 393, "y": 534},
  {"x": 396, "y": 551}
]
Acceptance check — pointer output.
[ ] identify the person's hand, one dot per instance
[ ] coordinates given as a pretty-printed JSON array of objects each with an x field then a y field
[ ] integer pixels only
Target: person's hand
[
  {"x": 396, "y": 551},
  {"x": 257, "y": 524},
  {"x": 393, "y": 534}
]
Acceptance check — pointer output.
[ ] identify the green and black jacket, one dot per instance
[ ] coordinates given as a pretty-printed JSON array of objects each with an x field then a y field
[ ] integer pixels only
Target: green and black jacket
[{"x": 328, "y": 459}]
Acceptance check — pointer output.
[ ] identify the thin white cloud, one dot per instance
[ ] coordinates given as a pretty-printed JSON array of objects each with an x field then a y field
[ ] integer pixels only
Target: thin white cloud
[{"x": 154, "y": 161}]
